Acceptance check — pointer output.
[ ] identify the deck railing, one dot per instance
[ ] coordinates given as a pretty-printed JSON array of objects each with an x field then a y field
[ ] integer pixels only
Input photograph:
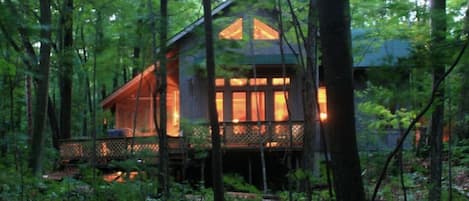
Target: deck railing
[
  {"x": 116, "y": 148},
  {"x": 245, "y": 135},
  {"x": 254, "y": 134}
]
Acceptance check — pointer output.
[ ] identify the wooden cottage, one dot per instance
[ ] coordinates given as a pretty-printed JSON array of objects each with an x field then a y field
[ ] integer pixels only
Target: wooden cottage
[{"x": 253, "y": 86}]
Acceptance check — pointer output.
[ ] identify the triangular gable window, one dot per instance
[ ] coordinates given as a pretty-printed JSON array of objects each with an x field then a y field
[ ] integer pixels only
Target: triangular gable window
[
  {"x": 234, "y": 31},
  {"x": 261, "y": 31}
]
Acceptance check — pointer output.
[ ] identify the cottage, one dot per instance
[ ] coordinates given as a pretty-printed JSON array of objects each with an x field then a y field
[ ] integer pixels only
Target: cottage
[{"x": 258, "y": 98}]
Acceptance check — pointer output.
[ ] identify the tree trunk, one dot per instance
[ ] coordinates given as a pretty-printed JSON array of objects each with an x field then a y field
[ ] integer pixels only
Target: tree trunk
[
  {"x": 66, "y": 68},
  {"x": 164, "y": 158},
  {"x": 310, "y": 145},
  {"x": 334, "y": 20},
  {"x": 212, "y": 110},
  {"x": 54, "y": 127},
  {"x": 462, "y": 126},
  {"x": 438, "y": 35},
  {"x": 29, "y": 104},
  {"x": 37, "y": 143}
]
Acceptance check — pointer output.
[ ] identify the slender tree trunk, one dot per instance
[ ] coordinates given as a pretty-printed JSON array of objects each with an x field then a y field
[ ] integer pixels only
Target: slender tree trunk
[
  {"x": 163, "y": 141},
  {"x": 217, "y": 171},
  {"x": 462, "y": 126},
  {"x": 66, "y": 68},
  {"x": 438, "y": 35},
  {"x": 334, "y": 20},
  {"x": 160, "y": 89},
  {"x": 54, "y": 127},
  {"x": 29, "y": 104},
  {"x": 164, "y": 159},
  {"x": 310, "y": 145},
  {"x": 37, "y": 143}
]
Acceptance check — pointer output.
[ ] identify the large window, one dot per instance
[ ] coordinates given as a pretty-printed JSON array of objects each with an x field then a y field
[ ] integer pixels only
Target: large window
[
  {"x": 253, "y": 99},
  {"x": 239, "y": 106},
  {"x": 219, "y": 102},
  {"x": 280, "y": 106},
  {"x": 257, "y": 106}
]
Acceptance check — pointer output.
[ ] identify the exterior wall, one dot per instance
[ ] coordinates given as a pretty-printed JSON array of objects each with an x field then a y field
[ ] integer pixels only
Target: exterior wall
[
  {"x": 125, "y": 102},
  {"x": 193, "y": 94},
  {"x": 192, "y": 81},
  {"x": 193, "y": 85}
]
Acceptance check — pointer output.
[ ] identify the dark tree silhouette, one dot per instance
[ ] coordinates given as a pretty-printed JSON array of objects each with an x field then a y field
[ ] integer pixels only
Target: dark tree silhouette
[
  {"x": 66, "y": 67},
  {"x": 212, "y": 110},
  {"x": 39, "y": 116},
  {"x": 334, "y": 20},
  {"x": 438, "y": 35}
]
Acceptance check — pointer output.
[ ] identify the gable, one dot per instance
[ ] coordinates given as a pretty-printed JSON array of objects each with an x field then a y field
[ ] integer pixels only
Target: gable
[
  {"x": 259, "y": 30},
  {"x": 263, "y": 31},
  {"x": 233, "y": 31}
]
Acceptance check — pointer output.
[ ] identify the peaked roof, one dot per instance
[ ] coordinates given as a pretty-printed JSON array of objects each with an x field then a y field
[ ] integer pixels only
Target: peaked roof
[
  {"x": 371, "y": 51},
  {"x": 386, "y": 54},
  {"x": 188, "y": 29},
  {"x": 124, "y": 89},
  {"x": 148, "y": 72}
]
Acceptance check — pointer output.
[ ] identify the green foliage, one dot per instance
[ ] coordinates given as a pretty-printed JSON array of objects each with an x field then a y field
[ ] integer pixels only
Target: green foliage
[
  {"x": 460, "y": 152},
  {"x": 235, "y": 182},
  {"x": 130, "y": 190},
  {"x": 301, "y": 196},
  {"x": 199, "y": 137}
]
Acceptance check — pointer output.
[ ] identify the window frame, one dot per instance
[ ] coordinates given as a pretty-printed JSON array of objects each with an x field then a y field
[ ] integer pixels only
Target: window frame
[{"x": 267, "y": 89}]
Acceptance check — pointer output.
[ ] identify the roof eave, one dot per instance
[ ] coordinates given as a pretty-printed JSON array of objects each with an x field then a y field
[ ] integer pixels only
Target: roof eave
[{"x": 109, "y": 100}]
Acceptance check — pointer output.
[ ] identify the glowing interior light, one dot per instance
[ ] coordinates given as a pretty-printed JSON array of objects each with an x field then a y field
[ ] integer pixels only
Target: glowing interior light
[
  {"x": 263, "y": 31},
  {"x": 280, "y": 106},
  {"x": 280, "y": 81},
  {"x": 238, "y": 81},
  {"x": 272, "y": 144},
  {"x": 322, "y": 100},
  {"x": 323, "y": 116},
  {"x": 239, "y": 106},
  {"x": 219, "y": 102},
  {"x": 234, "y": 31}
]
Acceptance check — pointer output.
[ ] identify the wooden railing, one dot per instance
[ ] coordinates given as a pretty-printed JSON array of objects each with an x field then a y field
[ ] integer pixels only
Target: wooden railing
[
  {"x": 243, "y": 135},
  {"x": 255, "y": 134},
  {"x": 116, "y": 148}
]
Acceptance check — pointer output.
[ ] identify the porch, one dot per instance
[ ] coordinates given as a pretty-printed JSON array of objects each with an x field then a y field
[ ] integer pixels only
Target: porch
[{"x": 235, "y": 136}]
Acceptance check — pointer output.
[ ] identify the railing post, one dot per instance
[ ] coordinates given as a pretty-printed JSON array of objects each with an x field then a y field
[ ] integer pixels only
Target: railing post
[
  {"x": 224, "y": 133},
  {"x": 270, "y": 131}
]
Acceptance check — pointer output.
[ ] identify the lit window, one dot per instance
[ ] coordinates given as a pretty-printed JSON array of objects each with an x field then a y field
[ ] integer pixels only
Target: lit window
[
  {"x": 280, "y": 106},
  {"x": 257, "y": 81},
  {"x": 260, "y": 30},
  {"x": 280, "y": 81},
  {"x": 239, "y": 106},
  {"x": 219, "y": 103},
  {"x": 322, "y": 100},
  {"x": 234, "y": 31},
  {"x": 257, "y": 106},
  {"x": 263, "y": 31},
  {"x": 238, "y": 81},
  {"x": 219, "y": 82}
]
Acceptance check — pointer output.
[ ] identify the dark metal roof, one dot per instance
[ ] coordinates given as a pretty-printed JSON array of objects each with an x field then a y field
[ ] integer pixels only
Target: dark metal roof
[
  {"x": 371, "y": 51},
  {"x": 198, "y": 22}
]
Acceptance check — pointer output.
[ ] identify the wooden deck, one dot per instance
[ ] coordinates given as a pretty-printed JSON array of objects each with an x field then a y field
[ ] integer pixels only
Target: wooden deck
[{"x": 235, "y": 136}]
